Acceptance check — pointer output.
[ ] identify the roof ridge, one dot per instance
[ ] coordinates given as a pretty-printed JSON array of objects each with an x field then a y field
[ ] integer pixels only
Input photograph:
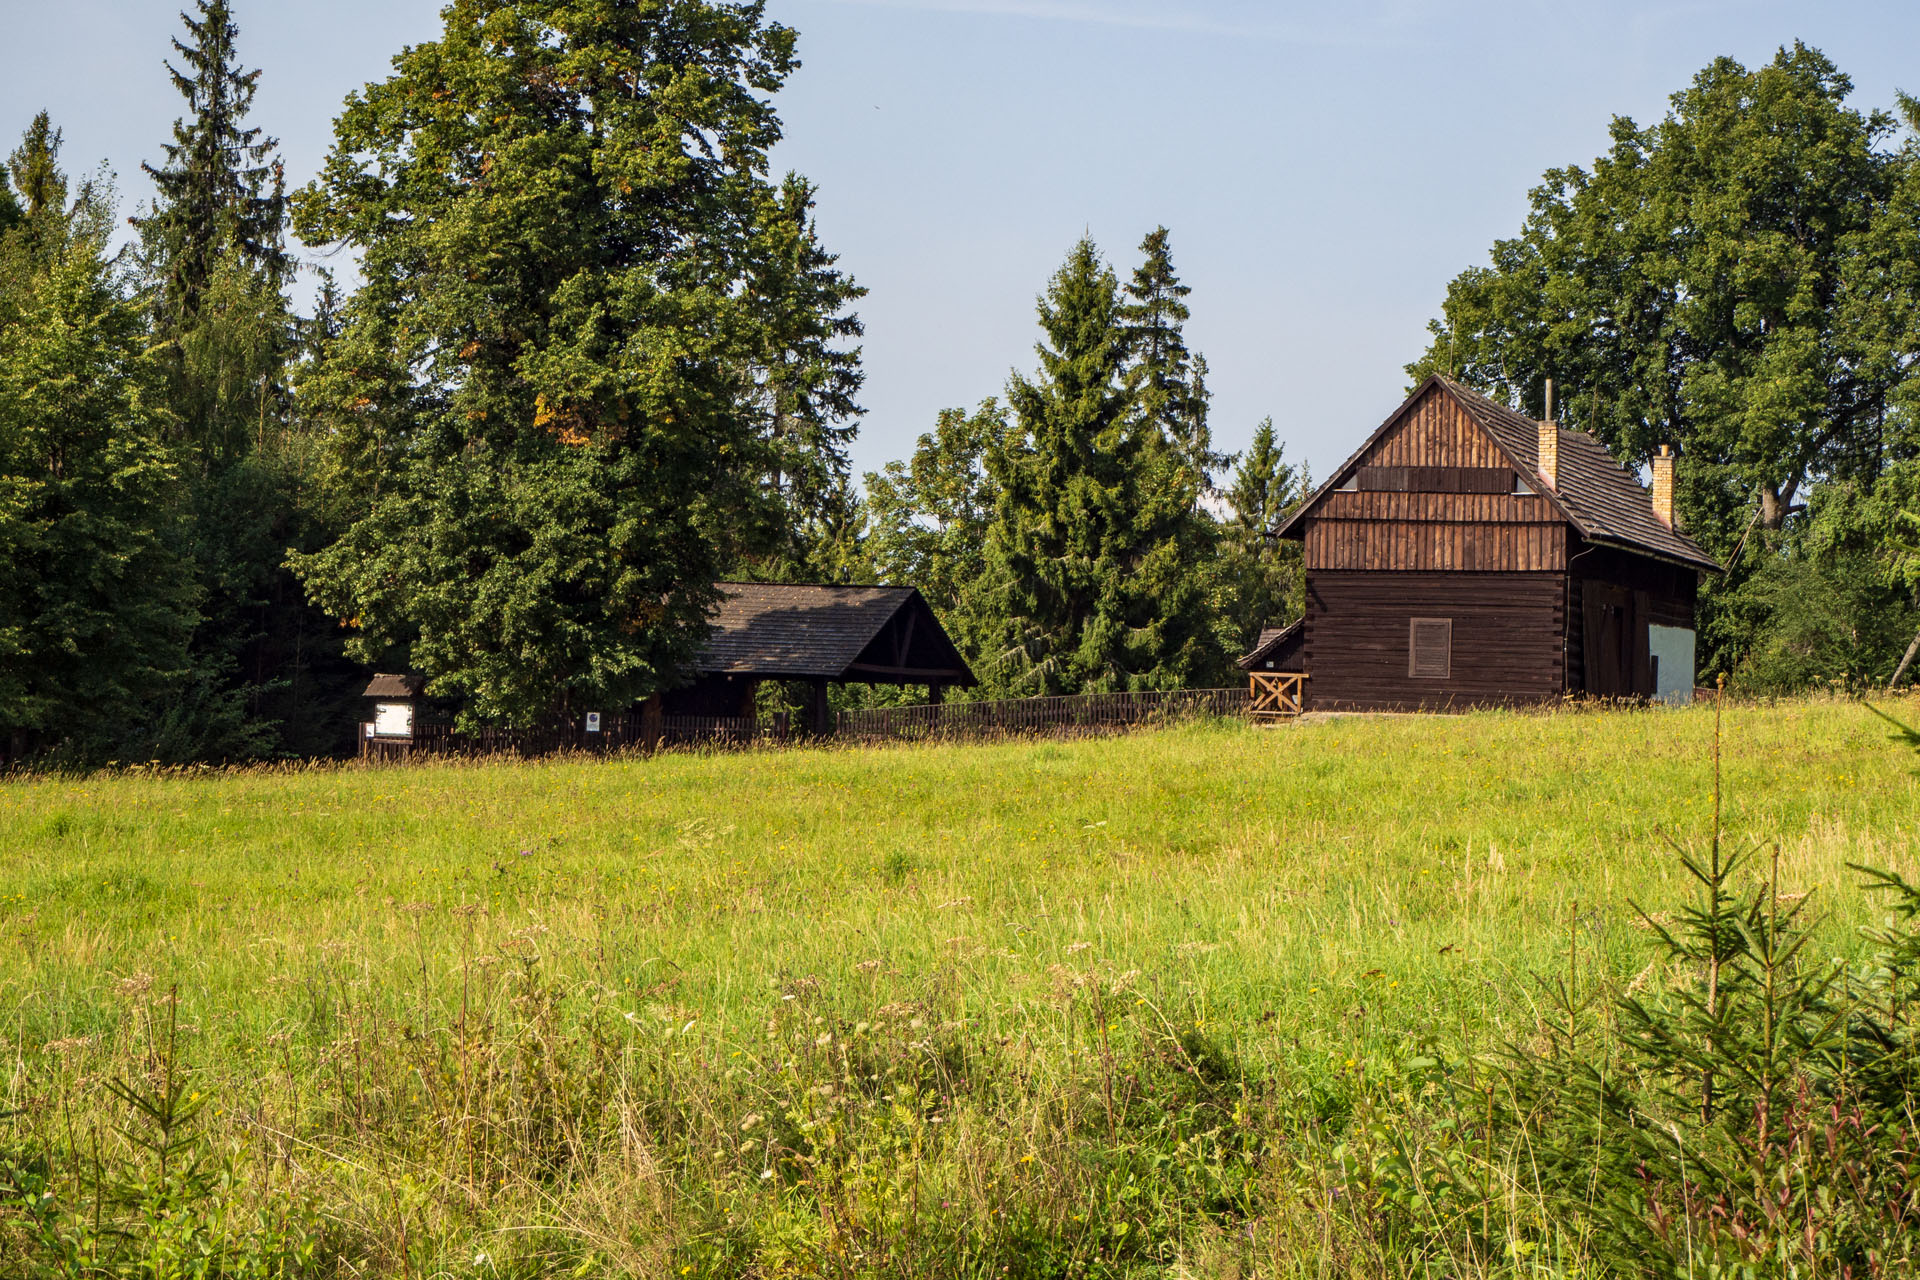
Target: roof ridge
[{"x": 817, "y": 586}]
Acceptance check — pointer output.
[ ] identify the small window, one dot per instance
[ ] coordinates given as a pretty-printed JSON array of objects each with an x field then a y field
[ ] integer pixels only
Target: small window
[
  {"x": 1352, "y": 485},
  {"x": 1430, "y": 649},
  {"x": 1521, "y": 489}
]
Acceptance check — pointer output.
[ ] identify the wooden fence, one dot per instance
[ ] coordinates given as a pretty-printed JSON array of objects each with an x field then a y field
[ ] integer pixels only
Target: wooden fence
[
  {"x": 1062, "y": 717},
  {"x": 625, "y": 731},
  {"x": 1070, "y": 716},
  {"x": 1279, "y": 695}
]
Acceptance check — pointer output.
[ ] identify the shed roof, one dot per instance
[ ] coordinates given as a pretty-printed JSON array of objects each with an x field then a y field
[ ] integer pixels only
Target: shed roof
[
  {"x": 1601, "y": 499},
  {"x": 394, "y": 686},
  {"x": 1274, "y": 644},
  {"x": 864, "y": 633}
]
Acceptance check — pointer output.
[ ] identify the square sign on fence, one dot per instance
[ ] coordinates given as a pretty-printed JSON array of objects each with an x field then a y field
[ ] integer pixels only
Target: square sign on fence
[{"x": 593, "y": 722}]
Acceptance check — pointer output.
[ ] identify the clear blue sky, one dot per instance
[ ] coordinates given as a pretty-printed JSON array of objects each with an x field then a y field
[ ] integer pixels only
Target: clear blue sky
[{"x": 1325, "y": 168}]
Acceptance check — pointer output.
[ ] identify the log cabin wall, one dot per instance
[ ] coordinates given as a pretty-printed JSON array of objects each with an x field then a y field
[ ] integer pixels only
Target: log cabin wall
[
  {"x": 1436, "y": 532},
  {"x": 1507, "y": 642}
]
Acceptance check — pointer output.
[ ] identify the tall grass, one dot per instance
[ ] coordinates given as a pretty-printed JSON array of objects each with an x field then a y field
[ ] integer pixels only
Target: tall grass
[{"x": 1206, "y": 1001}]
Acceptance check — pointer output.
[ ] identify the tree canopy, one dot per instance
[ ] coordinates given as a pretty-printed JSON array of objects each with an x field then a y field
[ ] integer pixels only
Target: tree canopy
[
  {"x": 560, "y": 394},
  {"x": 1097, "y": 547},
  {"x": 1734, "y": 280},
  {"x": 95, "y": 604}
]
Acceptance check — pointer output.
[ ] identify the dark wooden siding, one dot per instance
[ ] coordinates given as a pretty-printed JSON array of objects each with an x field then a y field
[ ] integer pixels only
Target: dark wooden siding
[
  {"x": 1436, "y": 432},
  {"x": 1436, "y": 479},
  {"x": 1508, "y": 639},
  {"x": 1434, "y": 546},
  {"x": 1660, "y": 593}
]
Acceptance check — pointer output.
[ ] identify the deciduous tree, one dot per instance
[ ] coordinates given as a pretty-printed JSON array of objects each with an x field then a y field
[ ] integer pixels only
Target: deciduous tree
[
  {"x": 557, "y": 380},
  {"x": 1731, "y": 280}
]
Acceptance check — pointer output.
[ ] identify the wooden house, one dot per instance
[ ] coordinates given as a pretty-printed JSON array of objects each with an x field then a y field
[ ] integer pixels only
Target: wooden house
[
  {"x": 1468, "y": 555},
  {"x": 819, "y": 635}
]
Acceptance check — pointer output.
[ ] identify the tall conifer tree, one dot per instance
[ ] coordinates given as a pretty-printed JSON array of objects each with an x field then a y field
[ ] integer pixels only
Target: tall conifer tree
[
  {"x": 1260, "y": 576},
  {"x": 808, "y": 380},
  {"x": 221, "y": 191},
  {"x": 217, "y": 267},
  {"x": 1172, "y": 380},
  {"x": 1096, "y": 544},
  {"x": 42, "y": 204}
]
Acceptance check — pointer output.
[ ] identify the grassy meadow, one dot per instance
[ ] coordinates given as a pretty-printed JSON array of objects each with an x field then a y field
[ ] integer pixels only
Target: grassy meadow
[{"x": 1128, "y": 1006}]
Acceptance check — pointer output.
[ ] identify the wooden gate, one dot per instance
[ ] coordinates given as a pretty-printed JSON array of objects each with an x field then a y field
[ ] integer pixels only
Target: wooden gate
[{"x": 1277, "y": 695}]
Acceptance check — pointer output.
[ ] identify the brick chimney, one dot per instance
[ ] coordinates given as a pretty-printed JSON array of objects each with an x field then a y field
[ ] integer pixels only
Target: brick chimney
[
  {"x": 1550, "y": 444},
  {"x": 1663, "y": 487}
]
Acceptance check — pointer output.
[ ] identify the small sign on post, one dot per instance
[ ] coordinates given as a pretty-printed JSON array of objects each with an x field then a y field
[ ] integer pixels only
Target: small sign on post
[{"x": 593, "y": 722}]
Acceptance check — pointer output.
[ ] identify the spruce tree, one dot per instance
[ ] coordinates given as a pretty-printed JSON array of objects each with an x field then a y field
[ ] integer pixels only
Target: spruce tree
[
  {"x": 42, "y": 204},
  {"x": 11, "y": 214},
  {"x": 1172, "y": 380},
  {"x": 808, "y": 380},
  {"x": 543, "y": 400},
  {"x": 213, "y": 249},
  {"x": 1096, "y": 546},
  {"x": 1260, "y": 578},
  {"x": 220, "y": 191}
]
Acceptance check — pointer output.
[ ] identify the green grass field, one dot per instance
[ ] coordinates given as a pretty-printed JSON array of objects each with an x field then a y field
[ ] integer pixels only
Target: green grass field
[{"x": 1027, "y": 1009}]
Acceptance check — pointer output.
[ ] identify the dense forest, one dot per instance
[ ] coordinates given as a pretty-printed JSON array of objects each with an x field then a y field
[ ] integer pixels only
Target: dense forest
[{"x": 596, "y": 358}]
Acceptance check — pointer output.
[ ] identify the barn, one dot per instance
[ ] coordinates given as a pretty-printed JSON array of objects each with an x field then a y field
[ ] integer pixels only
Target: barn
[
  {"x": 819, "y": 635},
  {"x": 1467, "y": 555}
]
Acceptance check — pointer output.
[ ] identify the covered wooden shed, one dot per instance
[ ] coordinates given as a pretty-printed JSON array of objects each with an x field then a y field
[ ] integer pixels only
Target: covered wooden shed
[
  {"x": 822, "y": 635},
  {"x": 1468, "y": 555}
]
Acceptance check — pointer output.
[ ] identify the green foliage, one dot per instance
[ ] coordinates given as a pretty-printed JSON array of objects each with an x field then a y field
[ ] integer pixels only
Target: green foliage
[
  {"x": 1261, "y": 582},
  {"x": 1751, "y": 1111},
  {"x": 42, "y": 206},
  {"x": 927, "y": 518},
  {"x": 559, "y": 402},
  {"x": 1171, "y": 381},
  {"x": 264, "y": 666},
  {"x": 1736, "y": 280},
  {"x": 1836, "y": 602},
  {"x": 1097, "y": 548},
  {"x": 95, "y": 603},
  {"x": 1725, "y": 281},
  {"x": 806, "y": 380},
  {"x": 167, "y": 1206},
  {"x": 220, "y": 201}
]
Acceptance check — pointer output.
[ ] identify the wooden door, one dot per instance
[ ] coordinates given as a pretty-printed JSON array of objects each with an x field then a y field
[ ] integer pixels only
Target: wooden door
[
  {"x": 1618, "y": 659},
  {"x": 1608, "y": 652}
]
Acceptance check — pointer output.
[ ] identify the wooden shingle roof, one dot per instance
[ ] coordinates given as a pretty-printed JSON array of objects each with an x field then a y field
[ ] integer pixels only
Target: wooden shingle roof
[
  {"x": 1601, "y": 499},
  {"x": 395, "y": 686},
  {"x": 784, "y": 631},
  {"x": 1276, "y": 644}
]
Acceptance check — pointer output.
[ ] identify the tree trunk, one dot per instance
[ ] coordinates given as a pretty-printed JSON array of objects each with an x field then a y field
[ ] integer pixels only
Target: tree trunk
[
  {"x": 1777, "y": 504},
  {"x": 1905, "y": 662}
]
